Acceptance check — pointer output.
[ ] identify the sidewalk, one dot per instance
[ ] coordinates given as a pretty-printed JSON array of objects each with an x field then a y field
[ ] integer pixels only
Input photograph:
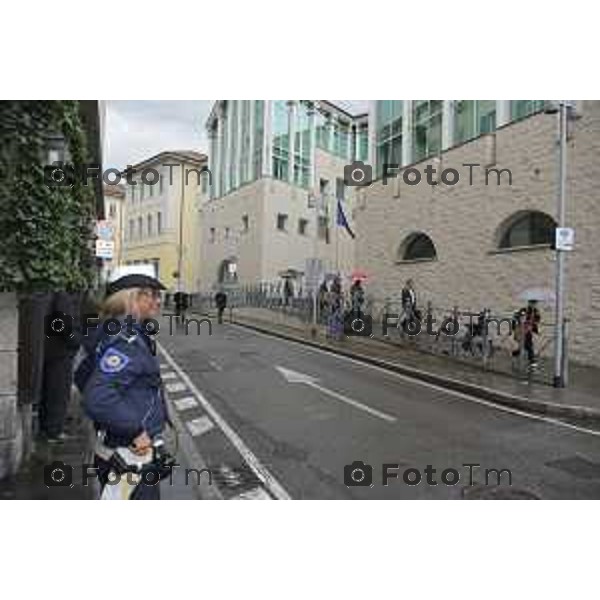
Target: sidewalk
[
  {"x": 29, "y": 483},
  {"x": 579, "y": 402}
]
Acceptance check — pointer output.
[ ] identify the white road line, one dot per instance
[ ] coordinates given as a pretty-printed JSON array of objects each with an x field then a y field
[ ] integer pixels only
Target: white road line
[
  {"x": 301, "y": 378},
  {"x": 253, "y": 494},
  {"x": 199, "y": 426},
  {"x": 355, "y": 403},
  {"x": 185, "y": 403},
  {"x": 176, "y": 387},
  {"x": 433, "y": 386},
  {"x": 269, "y": 480},
  {"x": 169, "y": 375}
]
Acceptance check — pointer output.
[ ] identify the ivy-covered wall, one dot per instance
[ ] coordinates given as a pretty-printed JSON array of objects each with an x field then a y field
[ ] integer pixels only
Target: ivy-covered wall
[{"x": 46, "y": 232}]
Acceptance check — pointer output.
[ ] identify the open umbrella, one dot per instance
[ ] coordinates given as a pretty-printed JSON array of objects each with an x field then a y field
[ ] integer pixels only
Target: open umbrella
[
  {"x": 359, "y": 274},
  {"x": 540, "y": 294}
]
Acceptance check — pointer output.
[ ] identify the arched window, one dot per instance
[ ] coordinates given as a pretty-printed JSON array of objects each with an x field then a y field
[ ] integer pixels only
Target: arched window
[
  {"x": 526, "y": 228},
  {"x": 417, "y": 246}
]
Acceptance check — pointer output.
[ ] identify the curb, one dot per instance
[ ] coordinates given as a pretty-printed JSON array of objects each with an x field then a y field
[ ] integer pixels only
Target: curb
[{"x": 580, "y": 415}]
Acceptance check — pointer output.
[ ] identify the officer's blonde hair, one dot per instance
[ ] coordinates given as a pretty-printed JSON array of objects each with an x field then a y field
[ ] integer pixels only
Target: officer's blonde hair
[{"x": 120, "y": 303}]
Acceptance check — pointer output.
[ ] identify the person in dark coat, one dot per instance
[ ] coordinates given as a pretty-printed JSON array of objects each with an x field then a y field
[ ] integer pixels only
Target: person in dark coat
[
  {"x": 409, "y": 305},
  {"x": 59, "y": 356},
  {"x": 221, "y": 304},
  {"x": 181, "y": 301}
]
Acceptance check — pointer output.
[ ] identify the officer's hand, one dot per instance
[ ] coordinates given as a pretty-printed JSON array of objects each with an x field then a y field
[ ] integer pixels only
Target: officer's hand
[{"x": 141, "y": 444}]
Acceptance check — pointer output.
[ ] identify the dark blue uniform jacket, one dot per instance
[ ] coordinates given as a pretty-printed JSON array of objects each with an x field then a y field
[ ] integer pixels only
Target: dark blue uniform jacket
[{"x": 122, "y": 388}]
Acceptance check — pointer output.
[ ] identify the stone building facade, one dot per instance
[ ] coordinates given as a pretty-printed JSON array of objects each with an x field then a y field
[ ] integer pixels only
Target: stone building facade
[
  {"x": 477, "y": 246},
  {"x": 278, "y": 174}
]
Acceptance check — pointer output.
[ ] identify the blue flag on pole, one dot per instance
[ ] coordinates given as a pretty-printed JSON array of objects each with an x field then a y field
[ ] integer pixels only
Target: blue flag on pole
[{"x": 342, "y": 221}]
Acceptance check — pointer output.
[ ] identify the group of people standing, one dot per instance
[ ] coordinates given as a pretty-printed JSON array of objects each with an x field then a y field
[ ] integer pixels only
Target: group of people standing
[{"x": 333, "y": 306}]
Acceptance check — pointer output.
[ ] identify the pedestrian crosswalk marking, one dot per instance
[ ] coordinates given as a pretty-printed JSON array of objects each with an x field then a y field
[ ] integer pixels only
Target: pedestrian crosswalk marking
[
  {"x": 200, "y": 426},
  {"x": 169, "y": 375},
  {"x": 176, "y": 387},
  {"x": 258, "y": 493},
  {"x": 185, "y": 403}
]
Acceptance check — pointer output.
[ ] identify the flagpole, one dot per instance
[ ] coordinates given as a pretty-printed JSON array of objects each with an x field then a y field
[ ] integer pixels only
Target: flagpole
[{"x": 337, "y": 239}]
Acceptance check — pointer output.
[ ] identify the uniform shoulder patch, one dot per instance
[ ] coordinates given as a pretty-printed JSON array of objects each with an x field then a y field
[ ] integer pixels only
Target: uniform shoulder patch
[{"x": 113, "y": 361}]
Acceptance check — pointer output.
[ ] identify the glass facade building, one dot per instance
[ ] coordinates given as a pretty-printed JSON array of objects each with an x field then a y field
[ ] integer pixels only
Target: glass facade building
[
  {"x": 408, "y": 131},
  {"x": 251, "y": 139}
]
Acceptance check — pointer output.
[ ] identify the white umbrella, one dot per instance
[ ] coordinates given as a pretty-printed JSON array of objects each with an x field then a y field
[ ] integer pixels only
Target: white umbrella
[{"x": 540, "y": 294}]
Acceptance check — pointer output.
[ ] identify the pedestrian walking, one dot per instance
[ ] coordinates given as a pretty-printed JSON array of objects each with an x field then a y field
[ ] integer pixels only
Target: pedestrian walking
[
  {"x": 221, "y": 304},
  {"x": 123, "y": 392},
  {"x": 323, "y": 298},
  {"x": 409, "y": 306},
  {"x": 526, "y": 324},
  {"x": 181, "y": 301},
  {"x": 357, "y": 298}
]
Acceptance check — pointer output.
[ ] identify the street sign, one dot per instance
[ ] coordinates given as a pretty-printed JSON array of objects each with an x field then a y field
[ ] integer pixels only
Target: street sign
[
  {"x": 105, "y": 249},
  {"x": 105, "y": 230},
  {"x": 565, "y": 238}
]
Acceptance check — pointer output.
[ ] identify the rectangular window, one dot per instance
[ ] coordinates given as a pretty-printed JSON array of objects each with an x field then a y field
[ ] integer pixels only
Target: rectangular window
[
  {"x": 388, "y": 131},
  {"x": 302, "y": 153},
  {"x": 282, "y": 222},
  {"x": 213, "y": 235},
  {"x": 323, "y": 187},
  {"x": 322, "y": 131},
  {"x": 427, "y": 128},
  {"x": 259, "y": 109},
  {"x": 302, "y": 226},
  {"x": 140, "y": 228},
  {"x": 244, "y": 173},
  {"x": 112, "y": 210},
  {"x": 131, "y": 229},
  {"x": 150, "y": 232},
  {"x": 280, "y": 140},
  {"x": 159, "y": 223},
  {"x": 245, "y": 224},
  {"x": 472, "y": 118},
  {"x": 523, "y": 108},
  {"x": 161, "y": 184},
  {"x": 142, "y": 191},
  {"x": 232, "y": 113},
  {"x": 226, "y": 233}
]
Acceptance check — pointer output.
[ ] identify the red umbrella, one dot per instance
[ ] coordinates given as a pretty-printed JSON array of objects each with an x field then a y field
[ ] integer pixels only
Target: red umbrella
[{"x": 359, "y": 274}]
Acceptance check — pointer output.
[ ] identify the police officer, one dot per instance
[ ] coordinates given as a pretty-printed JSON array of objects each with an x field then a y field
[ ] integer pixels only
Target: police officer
[{"x": 123, "y": 393}]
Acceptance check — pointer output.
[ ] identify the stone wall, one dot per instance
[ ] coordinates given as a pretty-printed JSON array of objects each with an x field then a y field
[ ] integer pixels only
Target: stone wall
[
  {"x": 10, "y": 422},
  {"x": 465, "y": 222}
]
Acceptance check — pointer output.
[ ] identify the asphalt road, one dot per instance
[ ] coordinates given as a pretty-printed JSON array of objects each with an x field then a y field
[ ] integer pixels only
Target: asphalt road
[{"x": 301, "y": 415}]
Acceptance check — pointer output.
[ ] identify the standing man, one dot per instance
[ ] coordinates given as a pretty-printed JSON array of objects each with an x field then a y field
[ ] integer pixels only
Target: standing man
[
  {"x": 59, "y": 355},
  {"x": 221, "y": 303},
  {"x": 181, "y": 304},
  {"x": 409, "y": 305}
]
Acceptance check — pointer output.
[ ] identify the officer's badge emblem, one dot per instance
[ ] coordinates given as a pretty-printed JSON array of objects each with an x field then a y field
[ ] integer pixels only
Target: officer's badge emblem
[{"x": 113, "y": 361}]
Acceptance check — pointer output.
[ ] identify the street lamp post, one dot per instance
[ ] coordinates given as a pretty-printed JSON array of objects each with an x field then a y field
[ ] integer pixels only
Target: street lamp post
[{"x": 559, "y": 357}]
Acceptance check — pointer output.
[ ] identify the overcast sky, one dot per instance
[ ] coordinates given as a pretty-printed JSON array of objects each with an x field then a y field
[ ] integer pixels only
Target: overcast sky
[{"x": 138, "y": 129}]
